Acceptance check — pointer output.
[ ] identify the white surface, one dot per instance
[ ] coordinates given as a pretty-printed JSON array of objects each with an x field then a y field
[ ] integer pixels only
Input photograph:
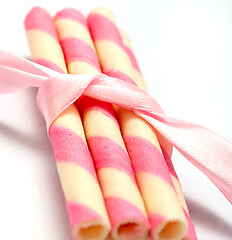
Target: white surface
[{"x": 185, "y": 53}]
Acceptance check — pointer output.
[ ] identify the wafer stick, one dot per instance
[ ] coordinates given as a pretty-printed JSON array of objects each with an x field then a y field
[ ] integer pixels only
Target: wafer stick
[
  {"x": 152, "y": 174},
  {"x": 123, "y": 200},
  {"x": 84, "y": 201},
  {"x": 166, "y": 150}
]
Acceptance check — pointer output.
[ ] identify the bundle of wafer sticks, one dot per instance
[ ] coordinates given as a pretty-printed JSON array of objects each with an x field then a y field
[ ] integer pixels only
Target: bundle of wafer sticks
[{"x": 115, "y": 168}]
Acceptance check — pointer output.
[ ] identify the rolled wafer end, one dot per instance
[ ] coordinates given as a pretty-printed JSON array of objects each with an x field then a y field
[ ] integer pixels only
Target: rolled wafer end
[
  {"x": 91, "y": 230},
  {"x": 130, "y": 230},
  {"x": 169, "y": 230}
]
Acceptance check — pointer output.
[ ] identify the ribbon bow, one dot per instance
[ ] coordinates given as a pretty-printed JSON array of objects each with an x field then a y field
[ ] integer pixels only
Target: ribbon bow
[{"x": 209, "y": 152}]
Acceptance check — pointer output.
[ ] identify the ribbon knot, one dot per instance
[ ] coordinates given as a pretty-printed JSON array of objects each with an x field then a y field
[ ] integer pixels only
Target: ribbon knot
[{"x": 209, "y": 152}]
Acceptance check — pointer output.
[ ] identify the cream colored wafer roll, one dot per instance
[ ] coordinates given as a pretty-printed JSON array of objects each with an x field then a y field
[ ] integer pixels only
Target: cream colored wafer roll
[
  {"x": 123, "y": 201},
  {"x": 165, "y": 213},
  {"x": 166, "y": 149},
  {"x": 84, "y": 201}
]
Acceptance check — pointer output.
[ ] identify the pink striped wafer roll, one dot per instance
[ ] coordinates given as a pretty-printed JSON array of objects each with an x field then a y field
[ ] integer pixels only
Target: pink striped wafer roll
[
  {"x": 84, "y": 201},
  {"x": 123, "y": 200},
  {"x": 166, "y": 150},
  {"x": 166, "y": 216}
]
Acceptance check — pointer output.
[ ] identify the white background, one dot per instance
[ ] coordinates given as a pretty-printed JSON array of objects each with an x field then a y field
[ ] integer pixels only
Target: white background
[{"x": 185, "y": 53}]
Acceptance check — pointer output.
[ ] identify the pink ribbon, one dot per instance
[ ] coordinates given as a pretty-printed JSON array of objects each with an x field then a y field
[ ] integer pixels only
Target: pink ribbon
[{"x": 209, "y": 152}]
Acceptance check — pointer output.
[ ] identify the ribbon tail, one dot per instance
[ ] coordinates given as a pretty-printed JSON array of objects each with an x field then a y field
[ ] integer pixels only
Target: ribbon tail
[
  {"x": 12, "y": 80},
  {"x": 208, "y": 151},
  {"x": 17, "y": 73}
]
